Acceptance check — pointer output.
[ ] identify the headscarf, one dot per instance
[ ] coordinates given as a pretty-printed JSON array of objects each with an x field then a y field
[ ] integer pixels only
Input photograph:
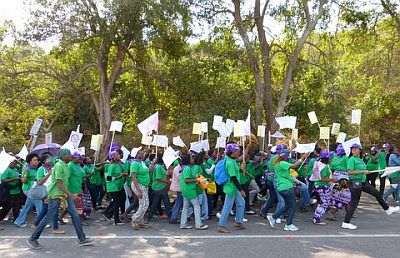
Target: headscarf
[
  {"x": 64, "y": 152},
  {"x": 340, "y": 150},
  {"x": 232, "y": 147}
]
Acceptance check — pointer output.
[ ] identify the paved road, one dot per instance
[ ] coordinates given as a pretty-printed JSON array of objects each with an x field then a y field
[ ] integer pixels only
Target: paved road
[{"x": 378, "y": 236}]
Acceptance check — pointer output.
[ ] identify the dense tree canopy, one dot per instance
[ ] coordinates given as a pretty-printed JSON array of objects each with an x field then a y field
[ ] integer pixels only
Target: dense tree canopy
[{"x": 124, "y": 60}]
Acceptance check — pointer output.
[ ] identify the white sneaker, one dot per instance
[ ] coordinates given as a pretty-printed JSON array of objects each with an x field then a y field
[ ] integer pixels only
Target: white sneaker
[
  {"x": 349, "y": 226},
  {"x": 291, "y": 227},
  {"x": 278, "y": 221},
  {"x": 313, "y": 201},
  {"x": 271, "y": 221},
  {"x": 392, "y": 210},
  {"x": 245, "y": 220},
  {"x": 218, "y": 215}
]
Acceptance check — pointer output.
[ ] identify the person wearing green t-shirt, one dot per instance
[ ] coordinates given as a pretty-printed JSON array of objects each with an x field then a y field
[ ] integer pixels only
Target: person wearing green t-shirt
[
  {"x": 357, "y": 171},
  {"x": 28, "y": 180},
  {"x": 323, "y": 188},
  {"x": 234, "y": 193},
  {"x": 13, "y": 202},
  {"x": 43, "y": 178},
  {"x": 115, "y": 173},
  {"x": 246, "y": 177},
  {"x": 96, "y": 182},
  {"x": 383, "y": 158},
  {"x": 285, "y": 183},
  {"x": 188, "y": 184},
  {"x": 199, "y": 170},
  {"x": 57, "y": 192},
  {"x": 159, "y": 187},
  {"x": 140, "y": 178},
  {"x": 373, "y": 164}
]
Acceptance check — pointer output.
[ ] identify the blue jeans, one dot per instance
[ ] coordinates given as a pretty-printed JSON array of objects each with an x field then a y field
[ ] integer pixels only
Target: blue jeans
[
  {"x": 304, "y": 196},
  {"x": 177, "y": 207},
  {"x": 204, "y": 206},
  {"x": 393, "y": 190},
  {"x": 226, "y": 209},
  {"x": 43, "y": 213},
  {"x": 290, "y": 206},
  {"x": 29, "y": 204},
  {"x": 54, "y": 204}
]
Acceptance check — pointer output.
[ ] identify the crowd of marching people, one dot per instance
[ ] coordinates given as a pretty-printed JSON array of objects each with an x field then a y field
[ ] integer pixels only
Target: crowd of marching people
[{"x": 198, "y": 186}]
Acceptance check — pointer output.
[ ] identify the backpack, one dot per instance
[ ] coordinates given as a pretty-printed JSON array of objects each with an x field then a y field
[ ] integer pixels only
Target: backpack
[{"x": 221, "y": 175}]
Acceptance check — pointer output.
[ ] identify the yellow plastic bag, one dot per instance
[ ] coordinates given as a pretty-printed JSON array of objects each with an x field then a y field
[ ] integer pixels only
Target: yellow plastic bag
[
  {"x": 212, "y": 188},
  {"x": 202, "y": 182}
]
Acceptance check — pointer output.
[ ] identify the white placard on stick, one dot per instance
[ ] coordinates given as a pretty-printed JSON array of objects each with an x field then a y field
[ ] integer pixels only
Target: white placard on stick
[
  {"x": 335, "y": 129},
  {"x": 116, "y": 126},
  {"x": 239, "y": 129},
  {"x": 341, "y": 138},
  {"x": 261, "y": 131},
  {"x": 356, "y": 116},
  {"x": 221, "y": 143},
  {"x": 5, "y": 160},
  {"x": 160, "y": 141},
  {"x": 286, "y": 122},
  {"x": 204, "y": 127},
  {"x": 146, "y": 140},
  {"x": 324, "y": 133},
  {"x": 96, "y": 141},
  {"x": 217, "y": 122},
  {"x": 75, "y": 138},
  {"x": 230, "y": 125},
  {"x": 313, "y": 117},
  {"x": 36, "y": 126},
  {"x": 48, "y": 138},
  {"x": 304, "y": 148},
  {"x": 125, "y": 153},
  {"x": 295, "y": 134},
  {"x": 196, "y": 128}
]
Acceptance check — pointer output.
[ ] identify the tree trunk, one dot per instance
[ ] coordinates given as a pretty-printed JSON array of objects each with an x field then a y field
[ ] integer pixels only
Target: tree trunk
[
  {"x": 311, "y": 22},
  {"x": 253, "y": 62}
]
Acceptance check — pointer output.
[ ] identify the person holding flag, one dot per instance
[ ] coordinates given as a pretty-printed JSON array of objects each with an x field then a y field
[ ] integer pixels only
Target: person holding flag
[{"x": 357, "y": 171}]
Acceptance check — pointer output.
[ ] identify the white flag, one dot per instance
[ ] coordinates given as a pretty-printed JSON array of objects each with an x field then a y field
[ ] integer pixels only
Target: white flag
[
  {"x": 230, "y": 125},
  {"x": 177, "y": 141},
  {"x": 316, "y": 172},
  {"x": 247, "y": 128},
  {"x": 390, "y": 170},
  {"x": 347, "y": 144},
  {"x": 286, "y": 122},
  {"x": 169, "y": 157},
  {"x": 149, "y": 125},
  {"x": 23, "y": 153},
  {"x": 36, "y": 127},
  {"x": 125, "y": 153},
  {"x": 135, "y": 151},
  {"x": 5, "y": 160}
]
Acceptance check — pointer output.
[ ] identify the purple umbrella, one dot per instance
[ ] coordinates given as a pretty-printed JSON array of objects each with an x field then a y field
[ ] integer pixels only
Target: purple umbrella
[{"x": 52, "y": 148}]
